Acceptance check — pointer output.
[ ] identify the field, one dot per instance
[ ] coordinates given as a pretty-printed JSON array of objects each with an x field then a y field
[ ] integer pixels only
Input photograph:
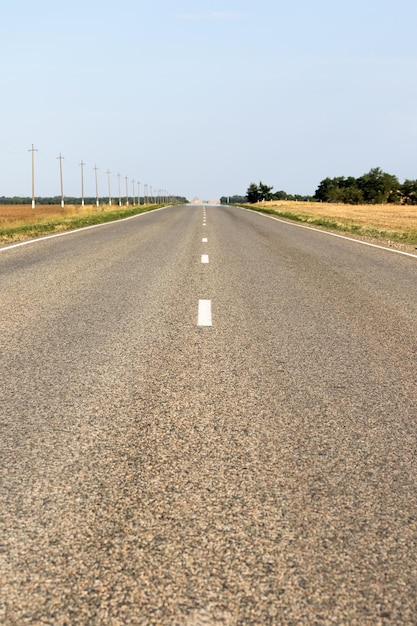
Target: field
[
  {"x": 15, "y": 214},
  {"x": 20, "y": 222},
  {"x": 392, "y": 224}
]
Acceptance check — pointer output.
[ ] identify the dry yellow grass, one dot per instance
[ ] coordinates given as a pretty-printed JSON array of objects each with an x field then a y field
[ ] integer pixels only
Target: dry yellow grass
[
  {"x": 395, "y": 224},
  {"x": 393, "y": 217},
  {"x": 392, "y": 225},
  {"x": 17, "y": 214},
  {"x": 21, "y": 222}
]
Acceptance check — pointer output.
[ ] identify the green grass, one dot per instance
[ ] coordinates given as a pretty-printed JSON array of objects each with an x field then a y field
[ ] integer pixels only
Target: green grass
[
  {"x": 43, "y": 226},
  {"x": 347, "y": 227}
]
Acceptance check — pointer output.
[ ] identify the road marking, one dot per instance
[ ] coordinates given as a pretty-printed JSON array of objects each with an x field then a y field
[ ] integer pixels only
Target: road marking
[
  {"x": 204, "y": 313},
  {"x": 77, "y": 230},
  {"x": 326, "y": 232},
  {"x": 204, "y": 240},
  {"x": 204, "y": 258}
]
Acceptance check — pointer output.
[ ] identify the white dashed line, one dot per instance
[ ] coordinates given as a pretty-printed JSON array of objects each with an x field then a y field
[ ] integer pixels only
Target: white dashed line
[
  {"x": 204, "y": 306},
  {"x": 204, "y": 313}
]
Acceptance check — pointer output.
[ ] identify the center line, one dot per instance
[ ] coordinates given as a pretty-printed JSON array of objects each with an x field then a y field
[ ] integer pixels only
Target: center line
[
  {"x": 204, "y": 313},
  {"x": 204, "y": 258}
]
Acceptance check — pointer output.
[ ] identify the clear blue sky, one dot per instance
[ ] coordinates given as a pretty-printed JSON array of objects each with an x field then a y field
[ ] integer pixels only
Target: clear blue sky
[{"x": 202, "y": 97}]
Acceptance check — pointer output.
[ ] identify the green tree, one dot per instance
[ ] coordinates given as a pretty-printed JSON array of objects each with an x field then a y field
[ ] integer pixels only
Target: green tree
[
  {"x": 324, "y": 190},
  {"x": 252, "y": 194},
  {"x": 265, "y": 192},
  {"x": 378, "y": 187},
  {"x": 281, "y": 195},
  {"x": 408, "y": 191}
]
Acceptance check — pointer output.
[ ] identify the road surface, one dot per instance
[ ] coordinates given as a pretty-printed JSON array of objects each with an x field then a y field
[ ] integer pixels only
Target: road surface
[{"x": 207, "y": 417}]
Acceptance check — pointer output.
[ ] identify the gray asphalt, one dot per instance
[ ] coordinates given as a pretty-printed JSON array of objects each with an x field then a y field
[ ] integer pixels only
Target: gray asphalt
[{"x": 258, "y": 471}]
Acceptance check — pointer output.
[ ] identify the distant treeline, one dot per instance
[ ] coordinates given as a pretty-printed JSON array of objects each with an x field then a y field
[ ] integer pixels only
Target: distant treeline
[
  {"x": 87, "y": 200},
  {"x": 261, "y": 193},
  {"x": 375, "y": 187}
]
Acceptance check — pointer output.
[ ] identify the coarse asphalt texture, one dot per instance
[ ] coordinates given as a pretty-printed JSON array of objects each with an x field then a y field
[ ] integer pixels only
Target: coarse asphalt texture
[{"x": 261, "y": 470}]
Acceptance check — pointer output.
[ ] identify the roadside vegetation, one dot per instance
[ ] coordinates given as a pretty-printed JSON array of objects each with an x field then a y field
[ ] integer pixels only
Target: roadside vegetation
[
  {"x": 394, "y": 225},
  {"x": 374, "y": 187},
  {"x": 374, "y": 206},
  {"x": 21, "y": 222}
]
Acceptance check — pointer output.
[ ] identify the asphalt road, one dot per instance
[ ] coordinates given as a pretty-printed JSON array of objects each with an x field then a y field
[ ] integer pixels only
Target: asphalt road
[{"x": 258, "y": 470}]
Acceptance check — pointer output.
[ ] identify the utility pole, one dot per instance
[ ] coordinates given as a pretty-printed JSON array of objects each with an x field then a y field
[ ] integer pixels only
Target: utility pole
[
  {"x": 120, "y": 197},
  {"x": 97, "y": 200},
  {"x": 133, "y": 194},
  {"x": 60, "y": 176},
  {"x": 138, "y": 193},
  {"x": 145, "y": 191},
  {"x": 82, "y": 182},
  {"x": 108, "y": 179},
  {"x": 33, "y": 150},
  {"x": 127, "y": 192}
]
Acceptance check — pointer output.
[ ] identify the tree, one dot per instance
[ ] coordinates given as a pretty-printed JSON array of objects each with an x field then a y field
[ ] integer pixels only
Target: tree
[
  {"x": 252, "y": 194},
  {"x": 377, "y": 186},
  {"x": 258, "y": 193},
  {"x": 236, "y": 199},
  {"x": 352, "y": 195},
  {"x": 281, "y": 195},
  {"x": 324, "y": 190},
  {"x": 408, "y": 191},
  {"x": 264, "y": 192}
]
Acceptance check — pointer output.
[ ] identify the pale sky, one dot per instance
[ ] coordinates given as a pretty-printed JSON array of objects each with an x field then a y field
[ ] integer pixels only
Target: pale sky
[{"x": 202, "y": 97}]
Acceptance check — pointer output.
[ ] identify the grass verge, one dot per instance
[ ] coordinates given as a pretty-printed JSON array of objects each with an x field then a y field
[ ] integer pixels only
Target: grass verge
[
  {"x": 369, "y": 232},
  {"x": 13, "y": 233}
]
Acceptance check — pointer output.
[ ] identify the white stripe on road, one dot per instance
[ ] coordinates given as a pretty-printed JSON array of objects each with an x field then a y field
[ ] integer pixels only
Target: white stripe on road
[
  {"x": 326, "y": 232},
  {"x": 77, "y": 230},
  {"x": 204, "y": 258},
  {"x": 204, "y": 240},
  {"x": 204, "y": 313}
]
